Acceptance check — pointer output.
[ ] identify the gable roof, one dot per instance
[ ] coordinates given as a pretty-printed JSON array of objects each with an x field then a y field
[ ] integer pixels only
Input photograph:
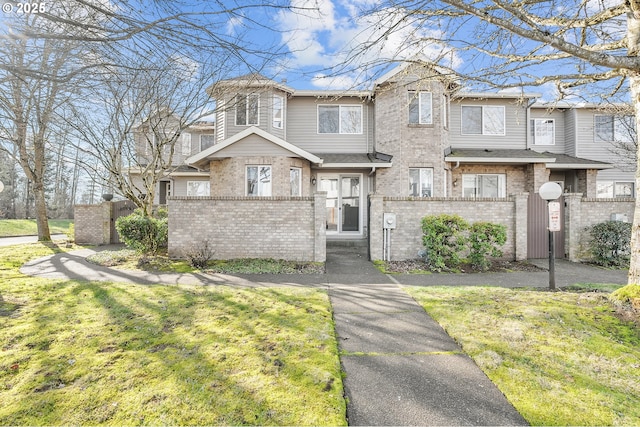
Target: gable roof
[{"x": 204, "y": 156}]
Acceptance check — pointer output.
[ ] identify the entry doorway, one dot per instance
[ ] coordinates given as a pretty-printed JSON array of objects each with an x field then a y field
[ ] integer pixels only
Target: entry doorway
[{"x": 344, "y": 203}]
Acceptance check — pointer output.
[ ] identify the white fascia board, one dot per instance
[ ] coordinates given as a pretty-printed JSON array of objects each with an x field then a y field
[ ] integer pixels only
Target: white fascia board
[
  {"x": 511, "y": 160},
  {"x": 577, "y": 166},
  {"x": 356, "y": 165}
]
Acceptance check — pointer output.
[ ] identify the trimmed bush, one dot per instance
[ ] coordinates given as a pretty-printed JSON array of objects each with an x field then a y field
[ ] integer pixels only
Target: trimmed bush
[
  {"x": 443, "y": 239},
  {"x": 485, "y": 240},
  {"x": 610, "y": 243},
  {"x": 143, "y": 234}
]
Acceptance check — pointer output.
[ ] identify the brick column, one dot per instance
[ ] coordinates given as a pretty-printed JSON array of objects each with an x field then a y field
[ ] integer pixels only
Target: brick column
[
  {"x": 375, "y": 229},
  {"x": 320, "y": 226},
  {"x": 521, "y": 224},
  {"x": 573, "y": 225}
]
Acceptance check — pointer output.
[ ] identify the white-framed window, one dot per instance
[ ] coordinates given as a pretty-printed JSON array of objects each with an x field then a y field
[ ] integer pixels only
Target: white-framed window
[
  {"x": 483, "y": 120},
  {"x": 185, "y": 142},
  {"x": 340, "y": 119},
  {"x": 543, "y": 131},
  {"x": 207, "y": 140},
  {"x": 421, "y": 182},
  {"x": 615, "y": 189},
  {"x": 247, "y": 109},
  {"x": 295, "y": 178},
  {"x": 420, "y": 108},
  {"x": 611, "y": 128},
  {"x": 259, "y": 180},
  {"x": 198, "y": 188},
  {"x": 278, "y": 112},
  {"x": 484, "y": 185}
]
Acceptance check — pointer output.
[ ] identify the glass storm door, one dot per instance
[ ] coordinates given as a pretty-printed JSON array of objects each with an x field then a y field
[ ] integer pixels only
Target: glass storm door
[{"x": 343, "y": 203}]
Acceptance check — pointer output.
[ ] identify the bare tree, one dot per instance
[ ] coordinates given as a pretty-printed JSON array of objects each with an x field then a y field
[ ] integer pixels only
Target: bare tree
[
  {"x": 139, "y": 111},
  {"x": 29, "y": 104},
  {"x": 586, "y": 49}
]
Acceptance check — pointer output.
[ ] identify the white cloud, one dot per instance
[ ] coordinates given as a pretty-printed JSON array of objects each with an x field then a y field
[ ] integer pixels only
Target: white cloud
[{"x": 324, "y": 34}]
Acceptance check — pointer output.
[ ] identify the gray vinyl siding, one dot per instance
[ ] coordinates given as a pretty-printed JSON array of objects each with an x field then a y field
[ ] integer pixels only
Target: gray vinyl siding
[
  {"x": 302, "y": 126},
  {"x": 586, "y": 146},
  {"x": 558, "y": 117},
  {"x": 615, "y": 175},
  {"x": 515, "y": 126},
  {"x": 179, "y": 187},
  {"x": 570, "y": 134},
  {"x": 253, "y": 145},
  {"x": 265, "y": 115}
]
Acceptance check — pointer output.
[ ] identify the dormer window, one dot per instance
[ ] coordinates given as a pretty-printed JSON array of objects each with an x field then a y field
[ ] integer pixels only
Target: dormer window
[{"x": 247, "y": 109}]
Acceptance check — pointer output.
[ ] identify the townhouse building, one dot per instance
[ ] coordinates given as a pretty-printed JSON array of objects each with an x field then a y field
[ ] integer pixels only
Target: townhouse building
[{"x": 285, "y": 170}]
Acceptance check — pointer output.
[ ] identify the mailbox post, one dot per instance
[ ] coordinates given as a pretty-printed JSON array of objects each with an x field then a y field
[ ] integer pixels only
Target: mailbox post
[{"x": 550, "y": 191}]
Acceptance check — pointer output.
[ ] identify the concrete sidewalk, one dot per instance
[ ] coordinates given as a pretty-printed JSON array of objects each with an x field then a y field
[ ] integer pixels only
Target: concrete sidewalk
[{"x": 401, "y": 367}]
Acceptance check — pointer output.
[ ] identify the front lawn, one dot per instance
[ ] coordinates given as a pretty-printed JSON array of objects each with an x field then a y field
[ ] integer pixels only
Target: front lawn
[
  {"x": 561, "y": 358},
  {"x": 118, "y": 354},
  {"x": 28, "y": 227}
]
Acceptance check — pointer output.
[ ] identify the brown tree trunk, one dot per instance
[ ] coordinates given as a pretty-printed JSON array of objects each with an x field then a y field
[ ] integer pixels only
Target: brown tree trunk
[
  {"x": 41, "y": 213},
  {"x": 633, "y": 47}
]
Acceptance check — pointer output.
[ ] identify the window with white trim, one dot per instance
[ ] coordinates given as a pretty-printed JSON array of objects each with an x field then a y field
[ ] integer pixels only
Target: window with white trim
[
  {"x": 484, "y": 185},
  {"x": 610, "y": 128},
  {"x": 295, "y": 178},
  {"x": 207, "y": 140},
  {"x": 483, "y": 120},
  {"x": 278, "y": 112},
  {"x": 185, "y": 142},
  {"x": 543, "y": 131},
  {"x": 420, "y": 108},
  {"x": 340, "y": 119},
  {"x": 614, "y": 189},
  {"x": 258, "y": 181},
  {"x": 198, "y": 188},
  {"x": 247, "y": 109},
  {"x": 420, "y": 182}
]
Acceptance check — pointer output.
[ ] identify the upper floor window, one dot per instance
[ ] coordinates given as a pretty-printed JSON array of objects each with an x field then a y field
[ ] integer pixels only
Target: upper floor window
[
  {"x": 258, "y": 180},
  {"x": 247, "y": 109},
  {"x": 484, "y": 185},
  {"x": 198, "y": 188},
  {"x": 207, "y": 140},
  {"x": 483, "y": 120},
  {"x": 420, "y": 108},
  {"x": 185, "y": 141},
  {"x": 295, "y": 178},
  {"x": 610, "y": 128},
  {"x": 543, "y": 131},
  {"x": 278, "y": 112},
  {"x": 341, "y": 119},
  {"x": 420, "y": 182}
]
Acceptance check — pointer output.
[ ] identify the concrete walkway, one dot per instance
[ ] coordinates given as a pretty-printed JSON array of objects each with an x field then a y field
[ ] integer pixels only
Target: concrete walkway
[{"x": 401, "y": 367}]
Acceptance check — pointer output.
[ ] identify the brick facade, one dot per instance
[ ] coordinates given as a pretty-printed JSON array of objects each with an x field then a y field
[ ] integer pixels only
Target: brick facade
[
  {"x": 92, "y": 224},
  {"x": 292, "y": 228},
  {"x": 406, "y": 239}
]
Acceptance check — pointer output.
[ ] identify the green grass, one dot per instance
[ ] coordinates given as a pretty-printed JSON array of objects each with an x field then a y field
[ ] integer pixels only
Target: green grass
[
  {"x": 561, "y": 358},
  {"x": 119, "y": 354},
  {"x": 28, "y": 227},
  {"x": 128, "y": 259}
]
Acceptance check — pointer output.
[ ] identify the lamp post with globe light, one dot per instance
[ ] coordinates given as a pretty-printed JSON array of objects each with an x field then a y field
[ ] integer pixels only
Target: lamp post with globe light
[{"x": 550, "y": 191}]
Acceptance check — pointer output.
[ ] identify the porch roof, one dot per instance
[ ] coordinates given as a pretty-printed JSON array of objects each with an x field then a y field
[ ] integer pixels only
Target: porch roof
[
  {"x": 355, "y": 160},
  {"x": 524, "y": 156}
]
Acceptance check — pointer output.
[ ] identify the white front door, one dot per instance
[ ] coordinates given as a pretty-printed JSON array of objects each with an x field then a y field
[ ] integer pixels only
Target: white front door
[{"x": 344, "y": 203}]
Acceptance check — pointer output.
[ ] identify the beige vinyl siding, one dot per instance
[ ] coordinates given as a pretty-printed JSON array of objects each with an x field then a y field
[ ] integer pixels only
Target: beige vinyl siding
[
  {"x": 558, "y": 117},
  {"x": 302, "y": 126},
  {"x": 515, "y": 136}
]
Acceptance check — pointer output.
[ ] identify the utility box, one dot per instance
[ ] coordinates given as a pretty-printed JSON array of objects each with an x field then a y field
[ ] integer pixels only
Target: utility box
[
  {"x": 619, "y": 217},
  {"x": 388, "y": 220}
]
